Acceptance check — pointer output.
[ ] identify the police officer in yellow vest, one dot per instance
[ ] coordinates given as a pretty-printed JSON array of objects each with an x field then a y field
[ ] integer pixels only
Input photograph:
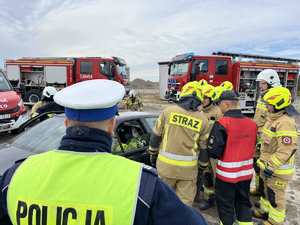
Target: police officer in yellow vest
[
  {"x": 180, "y": 133},
  {"x": 267, "y": 79},
  {"x": 277, "y": 158},
  {"x": 213, "y": 113},
  {"x": 81, "y": 182}
]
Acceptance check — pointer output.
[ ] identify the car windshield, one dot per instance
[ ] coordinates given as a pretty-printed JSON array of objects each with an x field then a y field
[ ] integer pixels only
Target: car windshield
[
  {"x": 4, "y": 85},
  {"x": 179, "y": 68},
  {"x": 123, "y": 71},
  {"x": 43, "y": 136}
]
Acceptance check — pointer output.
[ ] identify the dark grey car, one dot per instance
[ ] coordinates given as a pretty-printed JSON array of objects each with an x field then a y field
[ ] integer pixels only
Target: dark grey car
[{"x": 131, "y": 138}]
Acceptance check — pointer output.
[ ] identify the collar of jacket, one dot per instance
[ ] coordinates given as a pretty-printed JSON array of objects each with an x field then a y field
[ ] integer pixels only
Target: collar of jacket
[
  {"x": 189, "y": 103},
  {"x": 234, "y": 113},
  {"x": 85, "y": 139},
  {"x": 275, "y": 116},
  {"x": 207, "y": 108}
]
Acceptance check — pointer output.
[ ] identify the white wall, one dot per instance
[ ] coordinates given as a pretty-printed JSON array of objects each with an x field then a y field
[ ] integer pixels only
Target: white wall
[{"x": 163, "y": 80}]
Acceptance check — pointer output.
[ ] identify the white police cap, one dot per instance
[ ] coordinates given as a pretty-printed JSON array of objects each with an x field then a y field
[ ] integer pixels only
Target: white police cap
[{"x": 92, "y": 100}]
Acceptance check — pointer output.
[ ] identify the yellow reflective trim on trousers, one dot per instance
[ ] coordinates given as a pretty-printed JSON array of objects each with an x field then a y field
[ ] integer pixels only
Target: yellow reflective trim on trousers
[
  {"x": 277, "y": 216},
  {"x": 177, "y": 162},
  {"x": 264, "y": 204},
  {"x": 245, "y": 223}
]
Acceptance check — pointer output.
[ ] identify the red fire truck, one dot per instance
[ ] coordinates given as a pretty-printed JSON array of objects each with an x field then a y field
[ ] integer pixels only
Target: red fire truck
[
  {"x": 240, "y": 69},
  {"x": 31, "y": 75}
]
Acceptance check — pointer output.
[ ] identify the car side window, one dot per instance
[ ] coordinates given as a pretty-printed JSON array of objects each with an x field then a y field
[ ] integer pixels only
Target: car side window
[{"x": 130, "y": 136}]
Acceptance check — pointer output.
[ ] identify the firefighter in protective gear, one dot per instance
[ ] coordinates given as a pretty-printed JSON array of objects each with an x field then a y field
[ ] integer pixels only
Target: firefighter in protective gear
[
  {"x": 227, "y": 85},
  {"x": 130, "y": 193},
  {"x": 267, "y": 79},
  {"x": 277, "y": 157},
  {"x": 213, "y": 114},
  {"x": 179, "y": 134},
  {"x": 47, "y": 103},
  {"x": 232, "y": 141},
  {"x": 133, "y": 102}
]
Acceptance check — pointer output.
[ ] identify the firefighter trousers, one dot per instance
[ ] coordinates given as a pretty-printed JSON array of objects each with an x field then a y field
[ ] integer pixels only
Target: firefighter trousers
[
  {"x": 209, "y": 180},
  {"x": 273, "y": 201},
  {"x": 233, "y": 201},
  {"x": 185, "y": 189}
]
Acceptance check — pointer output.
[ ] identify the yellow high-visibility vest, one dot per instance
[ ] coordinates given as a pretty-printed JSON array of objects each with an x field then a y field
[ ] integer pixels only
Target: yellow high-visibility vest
[{"x": 72, "y": 188}]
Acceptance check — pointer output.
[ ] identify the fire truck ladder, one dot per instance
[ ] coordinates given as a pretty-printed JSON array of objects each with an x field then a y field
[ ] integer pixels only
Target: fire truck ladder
[{"x": 250, "y": 56}]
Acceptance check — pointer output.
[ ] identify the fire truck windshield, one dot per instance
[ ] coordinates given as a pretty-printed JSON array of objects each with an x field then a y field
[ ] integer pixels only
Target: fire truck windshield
[
  {"x": 179, "y": 68},
  {"x": 4, "y": 85},
  {"x": 123, "y": 71}
]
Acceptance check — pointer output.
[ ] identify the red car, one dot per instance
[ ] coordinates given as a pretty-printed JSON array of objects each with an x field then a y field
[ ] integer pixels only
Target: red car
[{"x": 11, "y": 105}]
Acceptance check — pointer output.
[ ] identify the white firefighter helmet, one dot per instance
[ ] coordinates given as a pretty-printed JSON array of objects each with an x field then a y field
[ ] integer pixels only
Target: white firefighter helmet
[
  {"x": 132, "y": 93},
  {"x": 270, "y": 76},
  {"x": 49, "y": 92}
]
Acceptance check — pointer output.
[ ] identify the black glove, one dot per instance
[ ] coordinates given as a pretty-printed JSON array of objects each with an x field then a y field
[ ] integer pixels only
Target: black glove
[
  {"x": 203, "y": 159},
  {"x": 202, "y": 166},
  {"x": 153, "y": 159},
  {"x": 268, "y": 173}
]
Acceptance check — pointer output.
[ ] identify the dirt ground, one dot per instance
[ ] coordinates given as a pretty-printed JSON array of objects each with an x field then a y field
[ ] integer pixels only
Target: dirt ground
[{"x": 153, "y": 103}]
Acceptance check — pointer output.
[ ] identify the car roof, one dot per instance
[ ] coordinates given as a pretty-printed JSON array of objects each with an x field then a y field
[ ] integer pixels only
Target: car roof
[{"x": 123, "y": 116}]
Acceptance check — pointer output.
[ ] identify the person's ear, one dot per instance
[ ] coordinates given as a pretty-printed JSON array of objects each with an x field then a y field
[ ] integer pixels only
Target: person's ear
[
  {"x": 66, "y": 122},
  {"x": 111, "y": 126}
]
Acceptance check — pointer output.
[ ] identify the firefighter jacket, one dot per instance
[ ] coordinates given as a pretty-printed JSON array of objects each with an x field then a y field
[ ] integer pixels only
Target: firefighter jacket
[
  {"x": 155, "y": 202},
  {"x": 260, "y": 116},
  {"x": 279, "y": 144},
  {"x": 232, "y": 141},
  {"x": 213, "y": 114},
  {"x": 134, "y": 104},
  {"x": 183, "y": 133}
]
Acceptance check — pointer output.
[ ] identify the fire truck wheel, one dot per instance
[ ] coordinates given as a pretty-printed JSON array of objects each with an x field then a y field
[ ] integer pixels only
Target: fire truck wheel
[{"x": 33, "y": 96}]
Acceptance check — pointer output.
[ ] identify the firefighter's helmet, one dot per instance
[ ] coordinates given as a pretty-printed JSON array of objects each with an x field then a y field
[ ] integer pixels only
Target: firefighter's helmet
[
  {"x": 209, "y": 91},
  {"x": 202, "y": 82},
  {"x": 227, "y": 85},
  {"x": 191, "y": 89},
  {"x": 49, "y": 92},
  {"x": 132, "y": 93},
  {"x": 279, "y": 97},
  {"x": 270, "y": 76},
  {"x": 218, "y": 90}
]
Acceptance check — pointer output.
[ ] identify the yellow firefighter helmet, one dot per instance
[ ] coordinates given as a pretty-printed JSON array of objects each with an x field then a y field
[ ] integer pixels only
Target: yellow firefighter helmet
[
  {"x": 279, "y": 97},
  {"x": 209, "y": 91},
  {"x": 191, "y": 89},
  {"x": 227, "y": 85}
]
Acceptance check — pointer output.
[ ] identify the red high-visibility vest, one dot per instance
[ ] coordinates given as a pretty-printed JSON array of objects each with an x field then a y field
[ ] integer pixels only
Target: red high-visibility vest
[{"x": 236, "y": 163}]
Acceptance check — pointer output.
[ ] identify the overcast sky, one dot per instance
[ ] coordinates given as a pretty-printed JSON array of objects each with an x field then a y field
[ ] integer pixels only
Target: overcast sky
[{"x": 145, "y": 32}]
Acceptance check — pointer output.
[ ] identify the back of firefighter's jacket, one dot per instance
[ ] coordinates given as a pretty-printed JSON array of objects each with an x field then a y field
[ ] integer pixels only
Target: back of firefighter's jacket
[
  {"x": 279, "y": 144},
  {"x": 183, "y": 134}
]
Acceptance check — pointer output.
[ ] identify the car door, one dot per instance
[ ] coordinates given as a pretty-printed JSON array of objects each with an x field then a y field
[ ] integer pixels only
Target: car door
[{"x": 131, "y": 140}]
